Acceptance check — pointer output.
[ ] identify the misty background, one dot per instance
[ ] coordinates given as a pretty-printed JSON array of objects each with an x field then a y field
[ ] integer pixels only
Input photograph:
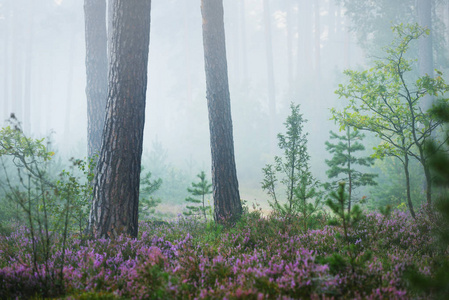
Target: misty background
[{"x": 284, "y": 51}]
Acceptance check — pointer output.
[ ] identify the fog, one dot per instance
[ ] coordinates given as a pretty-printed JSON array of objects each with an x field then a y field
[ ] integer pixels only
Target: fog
[{"x": 43, "y": 78}]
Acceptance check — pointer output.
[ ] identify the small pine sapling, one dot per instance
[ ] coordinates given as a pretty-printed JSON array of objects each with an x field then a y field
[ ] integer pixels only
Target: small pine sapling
[
  {"x": 347, "y": 220},
  {"x": 299, "y": 183},
  {"x": 202, "y": 189},
  {"x": 344, "y": 161},
  {"x": 147, "y": 202}
]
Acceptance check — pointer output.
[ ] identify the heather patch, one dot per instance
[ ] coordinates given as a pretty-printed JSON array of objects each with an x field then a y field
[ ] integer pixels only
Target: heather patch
[{"x": 259, "y": 258}]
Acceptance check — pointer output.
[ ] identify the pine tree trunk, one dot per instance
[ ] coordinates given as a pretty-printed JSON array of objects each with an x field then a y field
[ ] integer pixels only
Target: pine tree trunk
[
  {"x": 317, "y": 31},
  {"x": 96, "y": 72},
  {"x": 289, "y": 31},
  {"x": 244, "y": 50},
  {"x": 116, "y": 185},
  {"x": 4, "y": 64},
  {"x": 227, "y": 205},
  {"x": 270, "y": 74},
  {"x": 28, "y": 68}
]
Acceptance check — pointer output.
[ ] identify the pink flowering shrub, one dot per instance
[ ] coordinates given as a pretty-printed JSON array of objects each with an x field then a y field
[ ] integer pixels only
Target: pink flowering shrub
[{"x": 260, "y": 258}]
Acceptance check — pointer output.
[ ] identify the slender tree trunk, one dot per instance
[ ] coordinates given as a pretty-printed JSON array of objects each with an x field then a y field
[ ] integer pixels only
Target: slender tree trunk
[
  {"x": 68, "y": 107},
  {"x": 227, "y": 205},
  {"x": 289, "y": 36},
  {"x": 407, "y": 184},
  {"x": 305, "y": 42},
  {"x": 317, "y": 32},
  {"x": 116, "y": 184},
  {"x": 28, "y": 64},
  {"x": 270, "y": 74},
  {"x": 348, "y": 135},
  {"x": 17, "y": 62},
  {"x": 96, "y": 72},
  {"x": 244, "y": 50},
  {"x": 6, "y": 61},
  {"x": 187, "y": 54},
  {"x": 426, "y": 64}
]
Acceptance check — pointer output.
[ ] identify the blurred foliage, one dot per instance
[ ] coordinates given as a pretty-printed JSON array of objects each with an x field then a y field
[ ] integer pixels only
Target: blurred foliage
[
  {"x": 371, "y": 21},
  {"x": 438, "y": 285}
]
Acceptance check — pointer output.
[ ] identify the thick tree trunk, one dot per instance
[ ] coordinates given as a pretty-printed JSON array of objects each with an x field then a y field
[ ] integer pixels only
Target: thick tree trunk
[
  {"x": 116, "y": 185},
  {"x": 227, "y": 205},
  {"x": 96, "y": 72}
]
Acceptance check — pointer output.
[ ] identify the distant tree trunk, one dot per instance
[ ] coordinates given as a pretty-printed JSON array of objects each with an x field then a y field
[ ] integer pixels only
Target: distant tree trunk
[
  {"x": 426, "y": 65},
  {"x": 243, "y": 39},
  {"x": 227, "y": 204},
  {"x": 347, "y": 45},
  {"x": 68, "y": 107},
  {"x": 96, "y": 72},
  {"x": 270, "y": 74},
  {"x": 305, "y": 57},
  {"x": 17, "y": 61},
  {"x": 28, "y": 64},
  {"x": 289, "y": 36},
  {"x": 187, "y": 54},
  {"x": 332, "y": 22},
  {"x": 317, "y": 32},
  {"x": 6, "y": 60},
  {"x": 116, "y": 185}
]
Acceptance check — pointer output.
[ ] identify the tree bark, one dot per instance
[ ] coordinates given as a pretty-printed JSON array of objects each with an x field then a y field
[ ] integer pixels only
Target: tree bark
[
  {"x": 116, "y": 184},
  {"x": 227, "y": 205},
  {"x": 96, "y": 72},
  {"x": 407, "y": 185}
]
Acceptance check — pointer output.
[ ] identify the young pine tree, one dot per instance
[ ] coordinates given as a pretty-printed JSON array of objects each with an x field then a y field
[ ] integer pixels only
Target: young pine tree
[
  {"x": 344, "y": 161},
  {"x": 297, "y": 179},
  {"x": 147, "y": 202},
  {"x": 202, "y": 188}
]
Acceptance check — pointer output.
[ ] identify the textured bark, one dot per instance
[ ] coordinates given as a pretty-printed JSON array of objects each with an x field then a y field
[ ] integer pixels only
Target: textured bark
[
  {"x": 116, "y": 185},
  {"x": 96, "y": 72},
  {"x": 226, "y": 195}
]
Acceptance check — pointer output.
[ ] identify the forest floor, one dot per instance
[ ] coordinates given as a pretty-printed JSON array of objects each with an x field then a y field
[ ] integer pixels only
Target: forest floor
[{"x": 269, "y": 257}]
